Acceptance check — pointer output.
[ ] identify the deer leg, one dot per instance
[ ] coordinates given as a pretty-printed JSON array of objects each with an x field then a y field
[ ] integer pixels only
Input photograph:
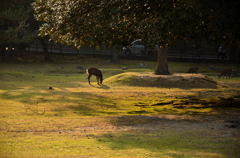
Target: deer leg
[
  {"x": 89, "y": 76},
  {"x": 101, "y": 79},
  {"x": 97, "y": 80}
]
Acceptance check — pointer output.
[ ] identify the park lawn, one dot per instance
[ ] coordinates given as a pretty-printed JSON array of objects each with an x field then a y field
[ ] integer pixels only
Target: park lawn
[{"x": 116, "y": 119}]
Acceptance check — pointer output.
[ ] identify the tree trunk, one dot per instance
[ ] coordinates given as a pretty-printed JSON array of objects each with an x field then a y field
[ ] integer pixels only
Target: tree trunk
[
  {"x": 3, "y": 52},
  {"x": 45, "y": 49},
  {"x": 198, "y": 41},
  {"x": 162, "y": 67},
  {"x": 115, "y": 53}
]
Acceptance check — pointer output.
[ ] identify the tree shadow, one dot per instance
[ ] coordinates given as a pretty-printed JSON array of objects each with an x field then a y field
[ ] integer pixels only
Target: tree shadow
[
  {"x": 91, "y": 104},
  {"x": 102, "y": 86},
  {"x": 80, "y": 103},
  {"x": 151, "y": 133},
  {"x": 163, "y": 143}
]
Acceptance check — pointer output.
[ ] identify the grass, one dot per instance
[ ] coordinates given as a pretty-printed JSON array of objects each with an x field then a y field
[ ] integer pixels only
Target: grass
[{"x": 133, "y": 114}]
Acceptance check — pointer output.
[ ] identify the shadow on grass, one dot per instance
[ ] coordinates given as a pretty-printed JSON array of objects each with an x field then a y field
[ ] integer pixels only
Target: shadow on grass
[
  {"x": 166, "y": 136},
  {"x": 100, "y": 86},
  {"x": 91, "y": 104},
  {"x": 58, "y": 102},
  {"x": 139, "y": 112},
  {"x": 190, "y": 106},
  {"x": 162, "y": 143}
]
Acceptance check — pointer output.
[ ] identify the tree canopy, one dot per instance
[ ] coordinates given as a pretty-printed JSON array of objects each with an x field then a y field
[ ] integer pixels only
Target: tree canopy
[
  {"x": 77, "y": 22},
  {"x": 111, "y": 22}
]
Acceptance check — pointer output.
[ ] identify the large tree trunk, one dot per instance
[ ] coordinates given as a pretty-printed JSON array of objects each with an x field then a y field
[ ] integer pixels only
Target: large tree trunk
[{"x": 162, "y": 67}]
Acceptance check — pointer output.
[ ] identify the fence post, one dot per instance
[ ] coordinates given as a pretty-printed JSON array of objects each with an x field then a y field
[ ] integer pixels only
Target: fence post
[
  {"x": 51, "y": 46},
  {"x": 37, "y": 47},
  {"x": 28, "y": 49},
  {"x": 60, "y": 48}
]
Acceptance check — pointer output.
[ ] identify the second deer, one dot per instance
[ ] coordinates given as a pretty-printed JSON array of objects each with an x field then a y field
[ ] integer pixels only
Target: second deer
[
  {"x": 193, "y": 70},
  {"x": 226, "y": 72}
]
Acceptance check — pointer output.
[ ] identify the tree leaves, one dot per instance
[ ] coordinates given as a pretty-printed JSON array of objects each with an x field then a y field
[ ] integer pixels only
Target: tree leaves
[{"x": 115, "y": 22}]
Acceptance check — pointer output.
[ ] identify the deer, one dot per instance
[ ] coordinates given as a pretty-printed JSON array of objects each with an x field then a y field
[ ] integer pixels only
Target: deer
[
  {"x": 226, "y": 72},
  {"x": 193, "y": 70},
  {"x": 94, "y": 71}
]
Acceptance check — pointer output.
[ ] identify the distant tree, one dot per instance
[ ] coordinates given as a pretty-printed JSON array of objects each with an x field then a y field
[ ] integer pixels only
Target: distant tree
[
  {"x": 18, "y": 26},
  {"x": 14, "y": 28},
  {"x": 96, "y": 22},
  {"x": 221, "y": 24},
  {"x": 35, "y": 25}
]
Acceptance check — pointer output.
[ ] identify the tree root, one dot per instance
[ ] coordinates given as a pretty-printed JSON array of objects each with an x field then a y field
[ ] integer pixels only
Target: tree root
[
  {"x": 235, "y": 123},
  {"x": 34, "y": 111}
]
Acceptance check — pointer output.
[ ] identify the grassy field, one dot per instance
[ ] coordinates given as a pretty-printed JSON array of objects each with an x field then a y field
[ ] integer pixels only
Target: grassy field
[{"x": 133, "y": 114}]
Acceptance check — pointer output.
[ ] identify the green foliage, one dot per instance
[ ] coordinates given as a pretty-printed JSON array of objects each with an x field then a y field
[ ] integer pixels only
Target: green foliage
[
  {"x": 14, "y": 27},
  {"x": 96, "y": 22}
]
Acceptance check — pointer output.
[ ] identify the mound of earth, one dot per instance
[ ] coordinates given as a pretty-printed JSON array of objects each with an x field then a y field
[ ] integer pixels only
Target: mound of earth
[{"x": 148, "y": 79}]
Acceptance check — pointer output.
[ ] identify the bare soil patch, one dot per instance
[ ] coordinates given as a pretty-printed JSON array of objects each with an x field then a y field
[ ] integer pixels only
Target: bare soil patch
[{"x": 230, "y": 84}]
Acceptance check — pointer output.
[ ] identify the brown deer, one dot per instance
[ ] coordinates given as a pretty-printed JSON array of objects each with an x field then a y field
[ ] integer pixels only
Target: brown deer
[
  {"x": 193, "y": 70},
  {"x": 226, "y": 72},
  {"x": 94, "y": 71}
]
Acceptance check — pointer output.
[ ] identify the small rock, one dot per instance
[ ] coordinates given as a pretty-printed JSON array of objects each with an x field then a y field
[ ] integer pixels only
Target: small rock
[
  {"x": 143, "y": 65},
  {"x": 227, "y": 135},
  {"x": 124, "y": 68},
  {"x": 211, "y": 67}
]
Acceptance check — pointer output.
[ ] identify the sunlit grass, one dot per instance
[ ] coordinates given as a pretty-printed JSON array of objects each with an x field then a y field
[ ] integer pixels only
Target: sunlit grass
[{"x": 74, "y": 119}]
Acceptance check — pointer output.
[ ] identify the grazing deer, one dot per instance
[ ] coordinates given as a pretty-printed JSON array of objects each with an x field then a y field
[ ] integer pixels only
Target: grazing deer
[
  {"x": 226, "y": 72},
  {"x": 193, "y": 70},
  {"x": 94, "y": 71}
]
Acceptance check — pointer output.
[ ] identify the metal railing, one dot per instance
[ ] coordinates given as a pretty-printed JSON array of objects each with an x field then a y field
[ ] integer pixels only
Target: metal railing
[{"x": 184, "y": 52}]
